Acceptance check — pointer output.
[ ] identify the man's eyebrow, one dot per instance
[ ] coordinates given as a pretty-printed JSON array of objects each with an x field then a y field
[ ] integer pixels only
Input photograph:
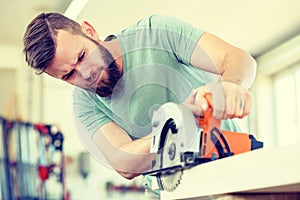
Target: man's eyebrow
[
  {"x": 79, "y": 55},
  {"x": 63, "y": 77}
]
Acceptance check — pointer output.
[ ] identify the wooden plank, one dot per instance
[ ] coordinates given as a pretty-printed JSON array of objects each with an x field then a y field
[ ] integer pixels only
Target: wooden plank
[{"x": 259, "y": 171}]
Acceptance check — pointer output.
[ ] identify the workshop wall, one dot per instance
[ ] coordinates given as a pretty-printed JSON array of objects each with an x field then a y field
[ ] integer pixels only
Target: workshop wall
[
  {"x": 25, "y": 97},
  {"x": 7, "y": 90},
  {"x": 10, "y": 60}
]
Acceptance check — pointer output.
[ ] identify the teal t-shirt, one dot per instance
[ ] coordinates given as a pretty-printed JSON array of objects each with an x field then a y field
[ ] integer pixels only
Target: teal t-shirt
[{"x": 156, "y": 52}]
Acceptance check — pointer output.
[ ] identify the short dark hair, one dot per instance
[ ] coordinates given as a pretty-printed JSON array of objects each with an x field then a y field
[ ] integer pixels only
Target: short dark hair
[{"x": 40, "y": 38}]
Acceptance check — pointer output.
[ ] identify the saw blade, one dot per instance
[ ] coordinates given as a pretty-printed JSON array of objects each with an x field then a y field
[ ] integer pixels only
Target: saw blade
[{"x": 171, "y": 179}]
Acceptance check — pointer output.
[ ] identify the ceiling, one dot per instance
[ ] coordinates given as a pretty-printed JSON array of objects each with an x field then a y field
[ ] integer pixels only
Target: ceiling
[{"x": 255, "y": 26}]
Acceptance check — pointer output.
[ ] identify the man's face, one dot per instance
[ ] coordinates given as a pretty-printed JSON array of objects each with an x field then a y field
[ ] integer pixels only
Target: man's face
[{"x": 83, "y": 62}]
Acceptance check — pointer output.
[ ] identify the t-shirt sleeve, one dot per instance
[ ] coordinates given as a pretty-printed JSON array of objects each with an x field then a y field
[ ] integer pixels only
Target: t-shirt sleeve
[
  {"x": 87, "y": 110},
  {"x": 179, "y": 37}
]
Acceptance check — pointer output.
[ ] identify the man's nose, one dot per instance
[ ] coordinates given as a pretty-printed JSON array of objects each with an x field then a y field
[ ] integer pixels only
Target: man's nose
[{"x": 85, "y": 71}]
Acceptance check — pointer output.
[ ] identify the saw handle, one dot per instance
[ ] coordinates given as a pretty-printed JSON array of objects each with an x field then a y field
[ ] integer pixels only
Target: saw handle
[
  {"x": 208, "y": 120},
  {"x": 208, "y": 97}
]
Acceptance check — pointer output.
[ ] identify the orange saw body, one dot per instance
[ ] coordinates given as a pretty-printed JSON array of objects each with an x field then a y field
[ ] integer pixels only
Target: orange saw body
[{"x": 217, "y": 143}]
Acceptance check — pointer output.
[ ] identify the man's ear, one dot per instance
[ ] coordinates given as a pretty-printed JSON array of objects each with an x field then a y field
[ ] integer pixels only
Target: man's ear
[{"x": 89, "y": 30}]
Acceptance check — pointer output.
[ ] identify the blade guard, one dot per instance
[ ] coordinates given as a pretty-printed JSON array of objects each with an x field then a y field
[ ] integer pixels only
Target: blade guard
[{"x": 216, "y": 143}]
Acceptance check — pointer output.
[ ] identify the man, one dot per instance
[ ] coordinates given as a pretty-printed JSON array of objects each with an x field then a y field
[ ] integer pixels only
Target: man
[{"x": 124, "y": 78}]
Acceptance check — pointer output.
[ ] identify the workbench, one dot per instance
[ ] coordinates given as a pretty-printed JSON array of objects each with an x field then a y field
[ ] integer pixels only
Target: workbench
[{"x": 272, "y": 173}]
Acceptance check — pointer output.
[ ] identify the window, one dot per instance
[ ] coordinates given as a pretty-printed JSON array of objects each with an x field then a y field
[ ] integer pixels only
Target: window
[
  {"x": 287, "y": 106},
  {"x": 277, "y": 95}
]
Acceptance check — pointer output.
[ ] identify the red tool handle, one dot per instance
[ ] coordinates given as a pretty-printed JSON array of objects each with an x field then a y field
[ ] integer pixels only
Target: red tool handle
[{"x": 208, "y": 121}]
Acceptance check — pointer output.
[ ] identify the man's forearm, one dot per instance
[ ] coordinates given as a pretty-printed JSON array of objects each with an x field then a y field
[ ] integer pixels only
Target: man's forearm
[
  {"x": 239, "y": 67},
  {"x": 128, "y": 157},
  {"x": 138, "y": 157}
]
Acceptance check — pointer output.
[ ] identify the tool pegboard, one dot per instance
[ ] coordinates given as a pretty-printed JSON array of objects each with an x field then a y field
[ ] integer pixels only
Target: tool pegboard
[{"x": 31, "y": 161}]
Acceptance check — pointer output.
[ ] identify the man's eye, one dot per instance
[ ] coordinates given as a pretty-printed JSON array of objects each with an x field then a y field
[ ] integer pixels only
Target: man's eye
[
  {"x": 68, "y": 75},
  {"x": 81, "y": 56}
]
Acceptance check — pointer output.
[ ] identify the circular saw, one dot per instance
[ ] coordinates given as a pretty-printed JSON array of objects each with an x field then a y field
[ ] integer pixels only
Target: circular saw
[
  {"x": 171, "y": 137},
  {"x": 181, "y": 141}
]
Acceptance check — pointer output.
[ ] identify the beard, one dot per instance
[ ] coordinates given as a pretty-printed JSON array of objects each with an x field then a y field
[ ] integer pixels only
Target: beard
[{"x": 105, "y": 88}]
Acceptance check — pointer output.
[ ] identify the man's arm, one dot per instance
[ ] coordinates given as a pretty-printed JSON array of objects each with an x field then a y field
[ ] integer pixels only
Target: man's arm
[
  {"x": 129, "y": 158},
  {"x": 232, "y": 63},
  {"x": 237, "y": 69}
]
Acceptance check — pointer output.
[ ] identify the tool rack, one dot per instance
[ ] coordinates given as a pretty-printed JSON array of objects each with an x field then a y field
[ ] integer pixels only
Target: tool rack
[{"x": 31, "y": 161}]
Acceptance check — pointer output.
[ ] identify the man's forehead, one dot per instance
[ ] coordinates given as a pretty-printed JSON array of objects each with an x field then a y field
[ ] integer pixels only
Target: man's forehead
[
  {"x": 67, "y": 47},
  {"x": 64, "y": 38}
]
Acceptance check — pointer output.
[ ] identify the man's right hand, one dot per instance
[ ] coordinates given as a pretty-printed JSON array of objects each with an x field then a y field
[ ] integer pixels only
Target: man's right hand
[{"x": 230, "y": 100}]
